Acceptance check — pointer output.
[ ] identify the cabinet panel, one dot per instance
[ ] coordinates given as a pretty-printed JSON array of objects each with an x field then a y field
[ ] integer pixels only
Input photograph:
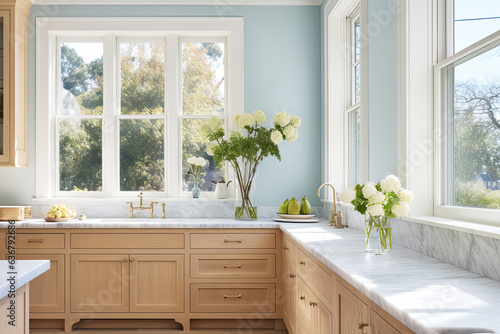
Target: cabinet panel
[
  {"x": 157, "y": 283},
  {"x": 353, "y": 313},
  {"x": 233, "y": 266},
  {"x": 100, "y": 283},
  {"x": 47, "y": 290},
  {"x": 317, "y": 276},
  {"x": 39, "y": 240},
  {"x": 289, "y": 279},
  {"x": 22, "y": 312},
  {"x": 233, "y": 240},
  {"x": 304, "y": 299},
  {"x": 127, "y": 241},
  {"x": 380, "y": 326},
  {"x": 233, "y": 298}
]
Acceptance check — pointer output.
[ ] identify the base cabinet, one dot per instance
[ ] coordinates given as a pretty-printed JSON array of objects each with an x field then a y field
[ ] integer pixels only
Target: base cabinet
[
  {"x": 21, "y": 323},
  {"x": 353, "y": 313},
  {"x": 289, "y": 283},
  {"x": 379, "y": 325},
  {"x": 312, "y": 314}
]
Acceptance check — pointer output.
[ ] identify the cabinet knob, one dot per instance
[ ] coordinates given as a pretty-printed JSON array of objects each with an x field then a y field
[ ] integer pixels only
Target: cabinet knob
[
  {"x": 303, "y": 263},
  {"x": 125, "y": 259},
  {"x": 132, "y": 260},
  {"x": 362, "y": 325},
  {"x": 313, "y": 304},
  {"x": 302, "y": 297},
  {"x": 292, "y": 276},
  {"x": 285, "y": 248}
]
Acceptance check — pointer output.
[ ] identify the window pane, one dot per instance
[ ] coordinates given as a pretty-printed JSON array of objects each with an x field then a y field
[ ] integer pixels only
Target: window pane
[
  {"x": 357, "y": 34},
  {"x": 475, "y": 20},
  {"x": 354, "y": 132},
  {"x": 476, "y": 125},
  {"x": 194, "y": 144},
  {"x": 142, "y": 155},
  {"x": 357, "y": 83},
  {"x": 80, "y": 155},
  {"x": 81, "y": 79},
  {"x": 203, "y": 78},
  {"x": 142, "y": 78}
]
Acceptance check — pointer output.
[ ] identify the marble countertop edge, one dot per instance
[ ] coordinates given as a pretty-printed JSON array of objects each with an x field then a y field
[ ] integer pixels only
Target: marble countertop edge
[{"x": 25, "y": 271}]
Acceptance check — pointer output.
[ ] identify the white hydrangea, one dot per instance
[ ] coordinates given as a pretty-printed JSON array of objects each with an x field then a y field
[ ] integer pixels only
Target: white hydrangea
[
  {"x": 390, "y": 183},
  {"x": 282, "y": 119},
  {"x": 294, "y": 137},
  {"x": 375, "y": 210},
  {"x": 378, "y": 197},
  {"x": 289, "y": 131},
  {"x": 400, "y": 209},
  {"x": 245, "y": 120},
  {"x": 210, "y": 148},
  {"x": 259, "y": 116},
  {"x": 295, "y": 121},
  {"x": 197, "y": 161},
  {"x": 276, "y": 137},
  {"x": 406, "y": 196},
  {"x": 348, "y": 196},
  {"x": 236, "y": 119},
  {"x": 369, "y": 190},
  {"x": 192, "y": 160},
  {"x": 214, "y": 123}
]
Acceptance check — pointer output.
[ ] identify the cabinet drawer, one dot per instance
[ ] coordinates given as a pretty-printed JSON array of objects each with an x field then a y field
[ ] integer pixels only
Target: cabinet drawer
[
  {"x": 39, "y": 241},
  {"x": 233, "y": 298},
  {"x": 128, "y": 241},
  {"x": 233, "y": 266},
  {"x": 315, "y": 275},
  {"x": 234, "y": 240}
]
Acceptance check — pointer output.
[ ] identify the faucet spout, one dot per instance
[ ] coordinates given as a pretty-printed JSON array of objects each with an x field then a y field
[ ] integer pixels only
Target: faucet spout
[{"x": 336, "y": 216}]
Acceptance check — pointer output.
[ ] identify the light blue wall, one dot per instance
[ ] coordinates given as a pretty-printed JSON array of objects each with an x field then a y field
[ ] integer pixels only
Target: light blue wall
[
  {"x": 382, "y": 94},
  {"x": 282, "y": 72}
]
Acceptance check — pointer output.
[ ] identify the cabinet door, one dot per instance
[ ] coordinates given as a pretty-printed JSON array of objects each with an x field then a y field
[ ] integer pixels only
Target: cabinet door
[
  {"x": 100, "y": 283},
  {"x": 353, "y": 313},
  {"x": 157, "y": 283},
  {"x": 289, "y": 285},
  {"x": 47, "y": 290},
  {"x": 380, "y": 326},
  {"x": 323, "y": 319},
  {"x": 305, "y": 298},
  {"x": 4, "y": 90}
]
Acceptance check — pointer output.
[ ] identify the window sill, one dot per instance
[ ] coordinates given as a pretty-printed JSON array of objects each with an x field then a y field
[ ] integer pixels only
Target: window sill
[{"x": 106, "y": 201}]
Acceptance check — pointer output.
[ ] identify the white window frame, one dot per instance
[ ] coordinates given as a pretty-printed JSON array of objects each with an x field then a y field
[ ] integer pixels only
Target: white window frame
[
  {"x": 172, "y": 30},
  {"x": 443, "y": 78},
  {"x": 338, "y": 93}
]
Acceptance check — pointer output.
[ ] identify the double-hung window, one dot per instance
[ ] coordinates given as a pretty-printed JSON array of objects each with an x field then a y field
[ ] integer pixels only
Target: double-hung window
[
  {"x": 121, "y": 102},
  {"x": 467, "y": 84}
]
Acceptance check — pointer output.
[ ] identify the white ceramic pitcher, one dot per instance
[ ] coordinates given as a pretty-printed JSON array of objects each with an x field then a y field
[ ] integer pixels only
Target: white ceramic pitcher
[{"x": 221, "y": 189}]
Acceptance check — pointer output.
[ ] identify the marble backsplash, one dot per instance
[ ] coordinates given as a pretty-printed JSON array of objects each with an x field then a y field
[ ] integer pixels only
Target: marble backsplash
[
  {"x": 173, "y": 209},
  {"x": 472, "y": 252}
]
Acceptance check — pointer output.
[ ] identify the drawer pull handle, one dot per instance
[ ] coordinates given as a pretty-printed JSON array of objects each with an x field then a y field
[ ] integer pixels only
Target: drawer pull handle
[
  {"x": 132, "y": 260},
  {"x": 362, "y": 325},
  {"x": 292, "y": 276},
  {"x": 36, "y": 240},
  {"x": 125, "y": 260},
  {"x": 302, "y": 297},
  {"x": 285, "y": 248},
  {"x": 232, "y": 266},
  {"x": 226, "y": 296},
  {"x": 303, "y": 263},
  {"x": 313, "y": 304},
  {"x": 238, "y": 241}
]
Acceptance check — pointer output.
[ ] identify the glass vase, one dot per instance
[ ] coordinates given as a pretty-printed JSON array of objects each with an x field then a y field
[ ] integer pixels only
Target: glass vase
[
  {"x": 196, "y": 190},
  {"x": 378, "y": 234},
  {"x": 244, "y": 207}
]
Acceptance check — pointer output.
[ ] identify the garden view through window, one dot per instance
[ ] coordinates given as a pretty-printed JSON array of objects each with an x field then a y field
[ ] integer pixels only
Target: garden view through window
[
  {"x": 139, "y": 121},
  {"x": 475, "y": 117}
]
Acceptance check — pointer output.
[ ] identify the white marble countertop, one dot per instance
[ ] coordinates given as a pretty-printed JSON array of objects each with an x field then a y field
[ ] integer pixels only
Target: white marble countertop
[
  {"x": 23, "y": 272},
  {"x": 425, "y": 294}
]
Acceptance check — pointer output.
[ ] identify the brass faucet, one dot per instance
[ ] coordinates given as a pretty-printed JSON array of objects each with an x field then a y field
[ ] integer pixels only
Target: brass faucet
[
  {"x": 141, "y": 207},
  {"x": 336, "y": 217}
]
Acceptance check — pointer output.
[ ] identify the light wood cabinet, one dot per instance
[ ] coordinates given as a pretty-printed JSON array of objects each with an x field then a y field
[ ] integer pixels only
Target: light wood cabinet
[
  {"x": 14, "y": 15},
  {"x": 47, "y": 290},
  {"x": 157, "y": 283},
  {"x": 352, "y": 313},
  {"x": 313, "y": 315},
  {"x": 289, "y": 283},
  {"x": 379, "y": 325},
  {"x": 22, "y": 312}
]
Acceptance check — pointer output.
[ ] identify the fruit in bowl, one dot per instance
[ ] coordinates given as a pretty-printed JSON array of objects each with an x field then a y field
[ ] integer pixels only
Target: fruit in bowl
[{"x": 60, "y": 211}]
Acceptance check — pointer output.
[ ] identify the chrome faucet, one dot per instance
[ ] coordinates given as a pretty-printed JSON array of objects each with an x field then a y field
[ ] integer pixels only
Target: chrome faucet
[
  {"x": 141, "y": 207},
  {"x": 336, "y": 216}
]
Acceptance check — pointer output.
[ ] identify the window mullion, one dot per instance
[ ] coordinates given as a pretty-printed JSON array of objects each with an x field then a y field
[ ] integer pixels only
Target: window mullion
[
  {"x": 110, "y": 152},
  {"x": 172, "y": 111}
]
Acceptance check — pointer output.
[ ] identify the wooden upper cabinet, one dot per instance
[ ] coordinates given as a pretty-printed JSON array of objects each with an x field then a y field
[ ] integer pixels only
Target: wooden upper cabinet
[
  {"x": 14, "y": 16},
  {"x": 353, "y": 313},
  {"x": 100, "y": 283},
  {"x": 157, "y": 283}
]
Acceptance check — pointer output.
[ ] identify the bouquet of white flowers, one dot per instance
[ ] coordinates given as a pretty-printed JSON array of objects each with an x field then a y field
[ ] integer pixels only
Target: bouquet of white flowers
[
  {"x": 197, "y": 164},
  {"x": 378, "y": 202}
]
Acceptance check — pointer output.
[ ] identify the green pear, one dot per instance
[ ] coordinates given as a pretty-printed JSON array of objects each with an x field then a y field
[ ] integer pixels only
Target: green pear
[
  {"x": 305, "y": 206},
  {"x": 294, "y": 207},
  {"x": 284, "y": 207}
]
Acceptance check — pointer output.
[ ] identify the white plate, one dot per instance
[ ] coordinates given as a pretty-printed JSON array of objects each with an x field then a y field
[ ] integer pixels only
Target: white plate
[
  {"x": 284, "y": 220},
  {"x": 57, "y": 220},
  {"x": 285, "y": 216}
]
